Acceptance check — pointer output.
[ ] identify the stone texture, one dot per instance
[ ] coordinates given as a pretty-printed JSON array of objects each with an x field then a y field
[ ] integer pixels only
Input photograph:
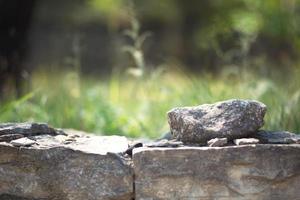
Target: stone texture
[
  {"x": 244, "y": 141},
  {"x": 14, "y": 197},
  {"x": 165, "y": 143},
  {"x": 10, "y": 137},
  {"x": 231, "y": 119},
  {"x": 22, "y": 142},
  {"x": 66, "y": 167},
  {"x": 28, "y": 129},
  {"x": 277, "y": 137},
  {"x": 217, "y": 142},
  {"x": 158, "y": 143},
  {"x": 262, "y": 171}
]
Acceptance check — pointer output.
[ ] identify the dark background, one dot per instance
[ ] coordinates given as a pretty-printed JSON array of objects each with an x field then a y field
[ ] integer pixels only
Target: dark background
[{"x": 196, "y": 35}]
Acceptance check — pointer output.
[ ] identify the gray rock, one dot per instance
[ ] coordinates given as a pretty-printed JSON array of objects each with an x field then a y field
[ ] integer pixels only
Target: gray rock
[
  {"x": 22, "y": 142},
  {"x": 165, "y": 143},
  {"x": 217, "y": 142},
  {"x": 244, "y": 141},
  {"x": 89, "y": 167},
  {"x": 277, "y": 137},
  {"x": 231, "y": 119},
  {"x": 262, "y": 171},
  {"x": 28, "y": 129},
  {"x": 14, "y": 197},
  {"x": 10, "y": 137}
]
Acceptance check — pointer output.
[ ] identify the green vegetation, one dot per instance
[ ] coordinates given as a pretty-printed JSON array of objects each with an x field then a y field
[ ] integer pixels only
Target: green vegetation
[
  {"x": 213, "y": 31},
  {"x": 137, "y": 108},
  {"x": 235, "y": 49}
]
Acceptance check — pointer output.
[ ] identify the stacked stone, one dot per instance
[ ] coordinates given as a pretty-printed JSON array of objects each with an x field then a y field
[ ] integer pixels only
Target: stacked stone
[
  {"x": 231, "y": 122},
  {"x": 201, "y": 169},
  {"x": 208, "y": 154}
]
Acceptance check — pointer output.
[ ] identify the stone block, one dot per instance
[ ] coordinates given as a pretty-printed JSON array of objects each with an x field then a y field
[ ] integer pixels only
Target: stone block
[
  {"x": 262, "y": 171},
  {"x": 87, "y": 167}
]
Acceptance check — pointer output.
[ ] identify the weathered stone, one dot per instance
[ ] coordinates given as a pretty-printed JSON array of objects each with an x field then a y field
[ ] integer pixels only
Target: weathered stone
[
  {"x": 10, "y": 137},
  {"x": 260, "y": 171},
  {"x": 217, "y": 142},
  {"x": 90, "y": 167},
  {"x": 277, "y": 137},
  {"x": 231, "y": 119},
  {"x": 28, "y": 129},
  {"x": 14, "y": 197},
  {"x": 22, "y": 142},
  {"x": 165, "y": 143},
  {"x": 244, "y": 141}
]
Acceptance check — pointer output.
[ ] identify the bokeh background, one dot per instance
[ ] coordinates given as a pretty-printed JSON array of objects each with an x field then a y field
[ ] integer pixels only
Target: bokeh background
[{"x": 117, "y": 66}]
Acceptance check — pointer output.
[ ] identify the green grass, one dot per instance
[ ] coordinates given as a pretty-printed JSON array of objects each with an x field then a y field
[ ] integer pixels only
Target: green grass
[{"x": 133, "y": 107}]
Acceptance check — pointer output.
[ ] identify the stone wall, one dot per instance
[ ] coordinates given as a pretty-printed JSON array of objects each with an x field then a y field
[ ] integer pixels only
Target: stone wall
[
  {"x": 42, "y": 163},
  {"x": 243, "y": 172}
]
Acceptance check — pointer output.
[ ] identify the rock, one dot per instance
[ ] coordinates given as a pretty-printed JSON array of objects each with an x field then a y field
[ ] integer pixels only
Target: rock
[
  {"x": 262, "y": 171},
  {"x": 10, "y": 137},
  {"x": 89, "y": 167},
  {"x": 231, "y": 119},
  {"x": 28, "y": 129},
  {"x": 22, "y": 142},
  {"x": 244, "y": 141},
  {"x": 14, "y": 197},
  {"x": 277, "y": 137},
  {"x": 217, "y": 142},
  {"x": 165, "y": 143}
]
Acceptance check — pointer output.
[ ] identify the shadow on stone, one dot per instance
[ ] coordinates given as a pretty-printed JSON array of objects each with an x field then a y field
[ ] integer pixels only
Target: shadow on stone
[{"x": 14, "y": 197}]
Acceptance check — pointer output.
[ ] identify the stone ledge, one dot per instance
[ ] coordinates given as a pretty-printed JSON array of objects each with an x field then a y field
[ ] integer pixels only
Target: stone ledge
[
  {"x": 38, "y": 162},
  {"x": 262, "y": 171},
  {"x": 57, "y": 168}
]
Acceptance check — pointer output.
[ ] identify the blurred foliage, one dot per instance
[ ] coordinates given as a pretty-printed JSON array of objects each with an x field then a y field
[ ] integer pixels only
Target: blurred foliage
[
  {"x": 206, "y": 34},
  {"x": 128, "y": 106},
  {"x": 239, "y": 45},
  {"x": 110, "y": 11},
  {"x": 215, "y": 33}
]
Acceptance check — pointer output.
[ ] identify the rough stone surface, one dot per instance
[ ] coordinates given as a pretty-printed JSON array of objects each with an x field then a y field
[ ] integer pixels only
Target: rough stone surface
[
  {"x": 217, "y": 142},
  {"x": 22, "y": 142},
  {"x": 165, "y": 143},
  {"x": 231, "y": 119},
  {"x": 10, "y": 137},
  {"x": 27, "y": 129},
  {"x": 38, "y": 162},
  {"x": 244, "y": 141},
  {"x": 277, "y": 137},
  {"x": 14, "y": 197},
  {"x": 66, "y": 167},
  {"x": 221, "y": 173}
]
